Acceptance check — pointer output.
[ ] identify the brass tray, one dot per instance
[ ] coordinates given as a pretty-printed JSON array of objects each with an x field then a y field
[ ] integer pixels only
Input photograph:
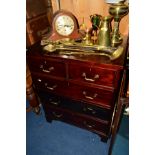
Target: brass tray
[{"x": 70, "y": 47}]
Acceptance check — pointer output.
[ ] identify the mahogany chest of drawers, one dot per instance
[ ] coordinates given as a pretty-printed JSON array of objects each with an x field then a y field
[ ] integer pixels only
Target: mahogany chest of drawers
[{"x": 79, "y": 90}]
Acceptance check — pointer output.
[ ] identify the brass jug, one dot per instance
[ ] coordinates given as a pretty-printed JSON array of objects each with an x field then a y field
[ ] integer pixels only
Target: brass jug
[{"x": 104, "y": 35}]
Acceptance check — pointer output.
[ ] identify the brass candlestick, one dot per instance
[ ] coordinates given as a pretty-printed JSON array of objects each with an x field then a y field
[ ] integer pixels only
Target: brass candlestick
[
  {"x": 118, "y": 11},
  {"x": 87, "y": 39}
]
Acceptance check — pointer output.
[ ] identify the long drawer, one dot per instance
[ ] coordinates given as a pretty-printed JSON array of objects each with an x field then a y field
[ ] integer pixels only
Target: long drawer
[
  {"x": 95, "y": 95},
  {"x": 77, "y": 119},
  {"x": 80, "y": 107}
]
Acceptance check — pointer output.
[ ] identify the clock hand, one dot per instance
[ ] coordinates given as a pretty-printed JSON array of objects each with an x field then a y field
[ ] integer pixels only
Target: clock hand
[
  {"x": 65, "y": 25},
  {"x": 68, "y": 25}
]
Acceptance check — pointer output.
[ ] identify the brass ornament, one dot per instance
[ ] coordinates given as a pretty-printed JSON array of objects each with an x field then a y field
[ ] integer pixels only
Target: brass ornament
[
  {"x": 102, "y": 42},
  {"x": 104, "y": 35},
  {"x": 118, "y": 11},
  {"x": 70, "y": 47}
]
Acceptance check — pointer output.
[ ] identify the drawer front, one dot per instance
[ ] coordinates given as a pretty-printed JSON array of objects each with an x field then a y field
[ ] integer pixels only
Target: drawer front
[
  {"x": 78, "y": 120},
  {"x": 90, "y": 124},
  {"x": 93, "y": 95},
  {"x": 49, "y": 67},
  {"x": 83, "y": 108},
  {"x": 96, "y": 75},
  {"x": 50, "y": 85},
  {"x": 37, "y": 27}
]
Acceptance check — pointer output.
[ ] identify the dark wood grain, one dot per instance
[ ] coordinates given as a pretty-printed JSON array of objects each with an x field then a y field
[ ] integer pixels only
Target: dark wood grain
[
  {"x": 46, "y": 66},
  {"x": 80, "y": 90},
  {"x": 37, "y": 28}
]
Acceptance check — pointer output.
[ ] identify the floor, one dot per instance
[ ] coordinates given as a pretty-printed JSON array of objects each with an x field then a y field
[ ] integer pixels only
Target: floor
[{"x": 58, "y": 138}]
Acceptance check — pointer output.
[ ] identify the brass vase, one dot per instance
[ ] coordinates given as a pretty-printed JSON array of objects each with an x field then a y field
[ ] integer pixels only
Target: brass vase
[{"x": 118, "y": 11}]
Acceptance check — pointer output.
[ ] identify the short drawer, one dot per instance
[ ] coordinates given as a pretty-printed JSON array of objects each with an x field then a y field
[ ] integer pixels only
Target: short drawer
[
  {"x": 80, "y": 107},
  {"x": 46, "y": 66},
  {"x": 97, "y": 96},
  {"x": 92, "y": 74},
  {"x": 57, "y": 114},
  {"x": 50, "y": 85}
]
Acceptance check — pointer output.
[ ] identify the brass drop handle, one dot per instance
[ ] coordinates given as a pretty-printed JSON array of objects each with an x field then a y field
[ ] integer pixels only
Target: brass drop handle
[
  {"x": 96, "y": 76},
  {"x": 89, "y": 97},
  {"x": 89, "y": 109},
  {"x": 57, "y": 115},
  {"x": 54, "y": 103},
  {"x": 46, "y": 70},
  {"x": 51, "y": 88},
  {"x": 88, "y": 125},
  {"x": 39, "y": 80}
]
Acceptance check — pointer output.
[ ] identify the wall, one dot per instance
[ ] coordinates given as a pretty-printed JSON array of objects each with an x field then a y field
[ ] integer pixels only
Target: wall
[{"x": 85, "y": 8}]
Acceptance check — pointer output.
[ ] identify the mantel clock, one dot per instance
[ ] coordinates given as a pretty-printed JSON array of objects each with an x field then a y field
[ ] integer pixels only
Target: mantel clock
[{"x": 64, "y": 25}]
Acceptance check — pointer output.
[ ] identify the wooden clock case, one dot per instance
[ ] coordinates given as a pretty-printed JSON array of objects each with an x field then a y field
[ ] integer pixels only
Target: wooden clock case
[{"x": 56, "y": 36}]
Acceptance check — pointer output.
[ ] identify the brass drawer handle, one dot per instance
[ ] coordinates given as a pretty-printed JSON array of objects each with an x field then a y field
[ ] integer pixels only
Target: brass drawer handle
[
  {"x": 89, "y": 125},
  {"x": 89, "y": 109},
  {"x": 89, "y": 79},
  {"x": 54, "y": 103},
  {"x": 47, "y": 70},
  {"x": 39, "y": 80},
  {"x": 89, "y": 97},
  {"x": 57, "y": 115},
  {"x": 51, "y": 88}
]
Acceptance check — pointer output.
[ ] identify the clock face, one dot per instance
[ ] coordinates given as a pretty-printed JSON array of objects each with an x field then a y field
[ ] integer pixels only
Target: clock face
[{"x": 64, "y": 25}]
